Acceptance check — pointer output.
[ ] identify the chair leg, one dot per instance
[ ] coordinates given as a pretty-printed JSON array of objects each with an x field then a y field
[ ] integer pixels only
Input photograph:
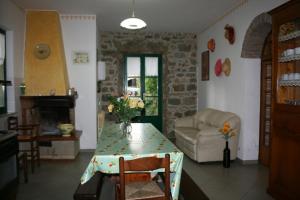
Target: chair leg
[
  {"x": 18, "y": 167},
  {"x": 25, "y": 167},
  {"x": 32, "y": 156},
  {"x": 38, "y": 153}
]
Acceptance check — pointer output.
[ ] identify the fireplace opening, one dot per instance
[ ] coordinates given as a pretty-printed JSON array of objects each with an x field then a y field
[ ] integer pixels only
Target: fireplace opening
[
  {"x": 51, "y": 111},
  {"x": 51, "y": 117}
]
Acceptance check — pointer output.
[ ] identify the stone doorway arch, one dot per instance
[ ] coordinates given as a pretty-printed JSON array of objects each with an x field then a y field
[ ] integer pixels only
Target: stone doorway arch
[{"x": 255, "y": 36}]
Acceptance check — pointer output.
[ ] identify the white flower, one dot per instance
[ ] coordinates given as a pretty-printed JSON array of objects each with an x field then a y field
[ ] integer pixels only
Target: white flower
[{"x": 110, "y": 107}]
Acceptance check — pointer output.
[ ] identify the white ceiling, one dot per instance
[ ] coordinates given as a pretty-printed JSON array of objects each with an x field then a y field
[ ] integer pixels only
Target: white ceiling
[{"x": 160, "y": 15}]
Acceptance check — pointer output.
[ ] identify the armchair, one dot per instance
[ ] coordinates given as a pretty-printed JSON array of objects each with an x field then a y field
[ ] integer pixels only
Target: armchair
[{"x": 199, "y": 138}]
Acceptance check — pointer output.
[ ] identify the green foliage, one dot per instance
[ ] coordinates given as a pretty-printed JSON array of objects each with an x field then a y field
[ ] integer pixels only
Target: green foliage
[
  {"x": 151, "y": 86},
  {"x": 122, "y": 108}
]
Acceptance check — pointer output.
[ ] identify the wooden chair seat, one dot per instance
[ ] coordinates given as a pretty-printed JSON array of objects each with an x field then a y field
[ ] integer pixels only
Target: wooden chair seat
[
  {"x": 142, "y": 190},
  {"x": 26, "y": 138}
]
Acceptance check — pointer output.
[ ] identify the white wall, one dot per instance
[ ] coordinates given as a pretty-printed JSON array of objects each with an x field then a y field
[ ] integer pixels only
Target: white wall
[
  {"x": 240, "y": 92},
  {"x": 79, "y": 34},
  {"x": 12, "y": 19}
]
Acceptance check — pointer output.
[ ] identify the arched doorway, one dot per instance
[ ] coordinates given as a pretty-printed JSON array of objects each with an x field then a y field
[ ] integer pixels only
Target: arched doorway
[{"x": 258, "y": 44}]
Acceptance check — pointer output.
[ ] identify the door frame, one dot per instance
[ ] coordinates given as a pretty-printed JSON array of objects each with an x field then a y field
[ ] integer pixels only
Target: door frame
[
  {"x": 264, "y": 151},
  {"x": 160, "y": 84}
]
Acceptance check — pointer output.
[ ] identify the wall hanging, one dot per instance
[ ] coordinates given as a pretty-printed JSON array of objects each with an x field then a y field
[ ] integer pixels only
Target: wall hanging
[
  {"x": 218, "y": 67},
  {"x": 205, "y": 66},
  {"x": 226, "y": 67},
  {"x": 229, "y": 33},
  {"x": 211, "y": 45},
  {"x": 80, "y": 57}
]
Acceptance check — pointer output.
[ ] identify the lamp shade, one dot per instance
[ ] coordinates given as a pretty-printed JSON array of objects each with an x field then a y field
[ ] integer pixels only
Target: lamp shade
[
  {"x": 133, "y": 23},
  {"x": 101, "y": 70}
]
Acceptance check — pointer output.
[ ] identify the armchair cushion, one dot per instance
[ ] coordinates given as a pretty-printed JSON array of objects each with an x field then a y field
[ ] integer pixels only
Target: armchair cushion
[{"x": 188, "y": 133}]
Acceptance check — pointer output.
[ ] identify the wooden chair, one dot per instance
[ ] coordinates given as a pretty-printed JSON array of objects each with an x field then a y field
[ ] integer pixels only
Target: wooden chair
[
  {"x": 143, "y": 190},
  {"x": 27, "y": 134}
]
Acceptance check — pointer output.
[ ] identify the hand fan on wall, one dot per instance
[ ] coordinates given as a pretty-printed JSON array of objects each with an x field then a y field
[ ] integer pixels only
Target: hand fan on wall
[{"x": 218, "y": 67}]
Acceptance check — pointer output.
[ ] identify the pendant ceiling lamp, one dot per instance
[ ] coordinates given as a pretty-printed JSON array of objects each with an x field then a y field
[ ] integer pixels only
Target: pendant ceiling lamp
[{"x": 133, "y": 23}]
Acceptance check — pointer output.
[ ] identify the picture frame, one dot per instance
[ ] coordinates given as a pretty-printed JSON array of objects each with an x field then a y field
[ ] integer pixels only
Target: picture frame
[
  {"x": 205, "y": 66},
  {"x": 80, "y": 57}
]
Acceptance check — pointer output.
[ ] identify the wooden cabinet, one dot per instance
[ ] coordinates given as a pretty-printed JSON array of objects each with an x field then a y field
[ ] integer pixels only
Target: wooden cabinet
[{"x": 284, "y": 181}]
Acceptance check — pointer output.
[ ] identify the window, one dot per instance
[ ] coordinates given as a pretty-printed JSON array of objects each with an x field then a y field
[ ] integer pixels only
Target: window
[{"x": 3, "y": 82}]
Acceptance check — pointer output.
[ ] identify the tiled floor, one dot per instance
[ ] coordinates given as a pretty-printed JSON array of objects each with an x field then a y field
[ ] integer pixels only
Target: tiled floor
[
  {"x": 57, "y": 180},
  {"x": 239, "y": 182}
]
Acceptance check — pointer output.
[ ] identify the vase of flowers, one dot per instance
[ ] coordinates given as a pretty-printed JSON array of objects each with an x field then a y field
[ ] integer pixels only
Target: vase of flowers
[
  {"x": 227, "y": 133},
  {"x": 125, "y": 108}
]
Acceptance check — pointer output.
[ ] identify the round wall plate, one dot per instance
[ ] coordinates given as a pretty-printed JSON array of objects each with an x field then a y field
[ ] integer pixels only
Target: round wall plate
[{"x": 42, "y": 51}]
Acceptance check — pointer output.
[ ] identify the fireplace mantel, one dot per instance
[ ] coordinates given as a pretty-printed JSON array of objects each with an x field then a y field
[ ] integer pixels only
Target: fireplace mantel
[{"x": 49, "y": 101}]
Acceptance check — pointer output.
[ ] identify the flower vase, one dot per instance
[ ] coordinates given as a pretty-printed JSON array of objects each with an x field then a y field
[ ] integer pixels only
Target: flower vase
[
  {"x": 125, "y": 128},
  {"x": 226, "y": 156}
]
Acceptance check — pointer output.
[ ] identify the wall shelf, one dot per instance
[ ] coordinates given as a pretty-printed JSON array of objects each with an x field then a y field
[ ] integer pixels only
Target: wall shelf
[
  {"x": 289, "y": 58},
  {"x": 289, "y": 36},
  {"x": 288, "y": 83}
]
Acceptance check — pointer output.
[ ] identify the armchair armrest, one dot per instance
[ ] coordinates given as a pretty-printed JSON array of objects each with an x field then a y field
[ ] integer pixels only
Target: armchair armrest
[{"x": 185, "y": 122}]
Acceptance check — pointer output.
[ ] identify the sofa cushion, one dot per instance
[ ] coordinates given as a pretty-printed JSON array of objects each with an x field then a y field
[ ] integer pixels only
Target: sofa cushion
[
  {"x": 189, "y": 134},
  {"x": 213, "y": 117},
  {"x": 209, "y": 131}
]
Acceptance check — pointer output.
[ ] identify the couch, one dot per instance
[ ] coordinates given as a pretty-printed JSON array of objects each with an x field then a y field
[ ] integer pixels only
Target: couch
[{"x": 199, "y": 138}]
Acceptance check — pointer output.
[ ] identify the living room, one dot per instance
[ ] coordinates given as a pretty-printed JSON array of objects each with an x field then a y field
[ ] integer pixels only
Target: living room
[{"x": 56, "y": 47}]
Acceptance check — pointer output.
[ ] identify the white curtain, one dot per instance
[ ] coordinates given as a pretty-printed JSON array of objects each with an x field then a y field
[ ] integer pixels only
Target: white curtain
[{"x": 2, "y": 48}]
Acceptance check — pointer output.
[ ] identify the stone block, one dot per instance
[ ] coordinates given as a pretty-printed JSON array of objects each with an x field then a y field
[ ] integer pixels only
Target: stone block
[
  {"x": 178, "y": 88},
  {"x": 191, "y": 87},
  {"x": 189, "y": 100},
  {"x": 173, "y": 101}
]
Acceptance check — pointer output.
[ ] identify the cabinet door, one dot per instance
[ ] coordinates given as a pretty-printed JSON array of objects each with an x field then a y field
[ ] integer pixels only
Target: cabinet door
[{"x": 285, "y": 138}]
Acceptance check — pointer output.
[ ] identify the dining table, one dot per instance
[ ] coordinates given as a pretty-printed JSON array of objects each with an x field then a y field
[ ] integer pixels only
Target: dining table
[{"x": 144, "y": 140}]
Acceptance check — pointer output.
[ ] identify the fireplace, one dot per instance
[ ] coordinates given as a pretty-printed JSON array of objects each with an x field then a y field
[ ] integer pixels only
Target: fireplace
[{"x": 48, "y": 111}]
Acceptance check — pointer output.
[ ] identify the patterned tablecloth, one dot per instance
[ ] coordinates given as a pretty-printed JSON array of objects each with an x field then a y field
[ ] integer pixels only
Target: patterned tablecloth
[{"x": 145, "y": 141}]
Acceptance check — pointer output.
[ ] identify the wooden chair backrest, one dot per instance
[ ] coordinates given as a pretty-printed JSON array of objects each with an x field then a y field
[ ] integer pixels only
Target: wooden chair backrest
[
  {"x": 12, "y": 123},
  {"x": 142, "y": 165}
]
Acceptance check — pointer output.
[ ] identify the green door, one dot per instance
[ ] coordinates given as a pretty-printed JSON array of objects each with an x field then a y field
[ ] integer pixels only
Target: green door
[{"x": 143, "y": 78}]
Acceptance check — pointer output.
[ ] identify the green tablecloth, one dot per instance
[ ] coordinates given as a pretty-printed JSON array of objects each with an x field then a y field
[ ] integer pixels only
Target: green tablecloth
[{"x": 145, "y": 141}]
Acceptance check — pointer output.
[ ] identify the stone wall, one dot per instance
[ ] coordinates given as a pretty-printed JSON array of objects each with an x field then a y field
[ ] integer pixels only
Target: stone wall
[
  {"x": 256, "y": 35},
  {"x": 178, "y": 51}
]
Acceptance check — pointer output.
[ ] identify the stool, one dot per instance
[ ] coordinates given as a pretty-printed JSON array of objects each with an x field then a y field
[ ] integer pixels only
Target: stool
[{"x": 90, "y": 190}]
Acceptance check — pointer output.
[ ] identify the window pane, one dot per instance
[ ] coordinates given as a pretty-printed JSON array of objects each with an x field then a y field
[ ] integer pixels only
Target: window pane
[
  {"x": 133, "y": 86},
  {"x": 151, "y": 106},
  {"x": 133, "y": 66},
  {"x": 151, "y": 86},
  {"x": 2, "y": 55},
  {"x": 2, "y": 93},
  {"x": 151, "y": 66}
]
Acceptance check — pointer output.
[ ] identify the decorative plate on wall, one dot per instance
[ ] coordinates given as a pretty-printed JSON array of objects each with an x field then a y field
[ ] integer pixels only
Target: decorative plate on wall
[
  {"x": 229, "y": 33},
  {"x": 226, "y": 66},
  {"x": 218, "y": 67},
  {"x": 211, "y": 45},
  {"x": 42, "y": 51}
]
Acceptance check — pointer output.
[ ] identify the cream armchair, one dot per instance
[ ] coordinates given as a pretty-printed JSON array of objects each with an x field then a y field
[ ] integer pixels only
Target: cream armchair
[{"x": 199, "y": 138}]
